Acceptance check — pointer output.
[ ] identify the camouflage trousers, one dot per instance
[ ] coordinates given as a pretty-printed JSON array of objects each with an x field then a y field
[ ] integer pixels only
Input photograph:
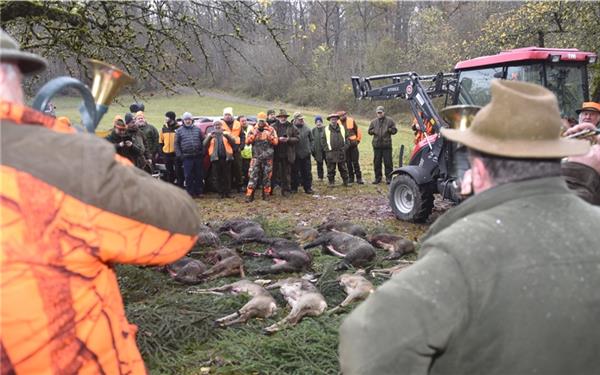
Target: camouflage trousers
[{"x": 260, "y": 168}]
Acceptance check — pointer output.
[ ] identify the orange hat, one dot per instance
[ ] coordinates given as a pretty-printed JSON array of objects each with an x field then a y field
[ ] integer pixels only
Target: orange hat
[
  {"x": 589, "y": 106},
  {"x": 64, "y": 120},
  {"x": 261, "y": 116}
]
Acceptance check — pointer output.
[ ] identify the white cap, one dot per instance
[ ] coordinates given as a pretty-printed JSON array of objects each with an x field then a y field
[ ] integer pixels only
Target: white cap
[{"x": 228, "y": 110}]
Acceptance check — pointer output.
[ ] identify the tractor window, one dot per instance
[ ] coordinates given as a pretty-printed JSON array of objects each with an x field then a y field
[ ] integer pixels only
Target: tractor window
[
  {"x": 566, "y": 81},
  {"x": 474, "y": 85},
  {"x": 528, "y": 73}
]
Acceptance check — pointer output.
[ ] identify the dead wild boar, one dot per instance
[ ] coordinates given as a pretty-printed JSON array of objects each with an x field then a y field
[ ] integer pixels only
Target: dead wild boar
[
  {"x": 302, "y": 301},
  {"x": 343, "y": 226},
  {"x": 288, "y": 256},
  {"x": 356, "y": 286},
  {"x": 262, "y": 304},
  {"x": 353, "y": 250},
  {"x": 186, "y": 270},
  {"x": 226, "y": 262},
  {"x": 208, "y": 237},
  {"x": 396, "y": 245},
  {"x": 242, "y": 230}
]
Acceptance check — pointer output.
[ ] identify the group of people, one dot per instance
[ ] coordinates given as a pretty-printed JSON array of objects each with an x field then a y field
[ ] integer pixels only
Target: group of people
[
  {"x": 506, "y": 282},
  {"x": 245, "y": 156}
]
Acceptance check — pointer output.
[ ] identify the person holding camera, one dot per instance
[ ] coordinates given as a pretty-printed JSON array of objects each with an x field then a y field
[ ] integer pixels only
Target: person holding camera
[
  {"x": 125, "y": 145},
  {"x": 262, "y": 138}
]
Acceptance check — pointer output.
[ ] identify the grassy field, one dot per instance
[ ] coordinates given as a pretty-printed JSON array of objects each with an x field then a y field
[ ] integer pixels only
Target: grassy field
[{"x": 176, "y": 334}]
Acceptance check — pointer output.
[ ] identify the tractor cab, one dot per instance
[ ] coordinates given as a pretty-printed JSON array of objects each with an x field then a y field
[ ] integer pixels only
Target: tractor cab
[{"x": 563, "y": 71}]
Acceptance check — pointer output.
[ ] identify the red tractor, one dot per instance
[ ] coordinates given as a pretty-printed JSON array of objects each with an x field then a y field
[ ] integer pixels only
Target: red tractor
[{"x": 436, "y": 165}]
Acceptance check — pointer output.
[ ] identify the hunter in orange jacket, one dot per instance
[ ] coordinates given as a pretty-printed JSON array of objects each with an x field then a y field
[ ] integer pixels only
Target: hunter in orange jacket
[
  {"x": 69, "y": 210},
  {"x": 352, "y": 155}
]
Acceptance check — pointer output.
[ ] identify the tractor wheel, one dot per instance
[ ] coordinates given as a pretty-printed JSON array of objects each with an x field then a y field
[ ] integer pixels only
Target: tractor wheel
[{"x": 410, "y": 201}]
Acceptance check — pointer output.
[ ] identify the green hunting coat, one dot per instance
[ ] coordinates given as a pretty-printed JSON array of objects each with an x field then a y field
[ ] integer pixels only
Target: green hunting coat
[{"x": 508, "y": 282}]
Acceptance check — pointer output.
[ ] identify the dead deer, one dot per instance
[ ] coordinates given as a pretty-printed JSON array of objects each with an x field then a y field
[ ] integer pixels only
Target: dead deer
[
  {"x": 303, "y": 301},
  {"x": 388, "y": 272},
  {"x": 396, "y": 245},
  {"x": 262, "y": 304},
  {"x": 356, "y": 286},
  {"x": 288, "y": 256},
  {"x": 242, "y": 230}
]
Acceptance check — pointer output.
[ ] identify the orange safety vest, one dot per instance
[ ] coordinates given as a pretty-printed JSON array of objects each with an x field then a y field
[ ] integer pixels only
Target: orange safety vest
[
  {"x": 349, "y": 125},
  {"x": 235, "y": 131},
  {"x": 419, "y": 136},
  {"x": 228, "y": 149}
]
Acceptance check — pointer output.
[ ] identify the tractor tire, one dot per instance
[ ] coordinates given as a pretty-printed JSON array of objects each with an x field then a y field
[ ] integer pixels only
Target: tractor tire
[{"x": 410, "y": 201}]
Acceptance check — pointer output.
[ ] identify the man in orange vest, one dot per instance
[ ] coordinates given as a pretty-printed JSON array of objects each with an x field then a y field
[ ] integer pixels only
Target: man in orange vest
[
  {"x": 71, "y": 209},
  {"x": 233, "y": 127},
  {"x": 354, "y": 135},
  {"x": 220, "y": 151}
]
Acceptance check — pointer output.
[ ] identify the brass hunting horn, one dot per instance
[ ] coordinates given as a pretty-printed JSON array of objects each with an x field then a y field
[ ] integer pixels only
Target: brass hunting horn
[{"x": 108, "y": 81}]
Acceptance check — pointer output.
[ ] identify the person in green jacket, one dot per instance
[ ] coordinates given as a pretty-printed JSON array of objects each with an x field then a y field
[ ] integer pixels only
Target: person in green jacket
[{"x": 507, "y": 282}]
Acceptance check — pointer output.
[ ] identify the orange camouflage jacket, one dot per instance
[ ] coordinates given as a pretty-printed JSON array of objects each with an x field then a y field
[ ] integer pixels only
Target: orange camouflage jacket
[{"x": 69, "y": 211}]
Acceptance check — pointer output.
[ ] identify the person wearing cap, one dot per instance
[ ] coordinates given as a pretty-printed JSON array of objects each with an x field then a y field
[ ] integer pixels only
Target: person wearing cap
[
  {"x": 219, "y": 144},
  {"x": 166, "y": 141},
  {"x": 144, "y": 161},
  {"x": 72, "y": 209},
  {"x": 285, "y": 151},
  {"x": 151, "y": 134},
  {"x": 582, "y": 173},
  {"x": 301, "y": 170},
  {"x": 125, "y": 145},
  {"x": 271, "y": 119},
  {"x": 317, "y": 150},
  {"x": 263, "y": 139},
  {"x": 189, "y": 148},
  {"x": 382, "y": 129},
  {"x": 352, "y": 154},
  {"x": 233, "y": 127},
  {"x": 507, "y": 281},
  {"x": 334, "y": 143}
]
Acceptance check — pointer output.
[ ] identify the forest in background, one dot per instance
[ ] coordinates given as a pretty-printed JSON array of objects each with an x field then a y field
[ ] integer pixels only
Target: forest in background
[{"x": 302, "y": 52}]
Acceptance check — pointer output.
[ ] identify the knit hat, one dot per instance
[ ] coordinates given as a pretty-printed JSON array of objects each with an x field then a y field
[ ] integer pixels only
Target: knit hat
[
  {"x": 261, "y": 116},
  {"x": 227, "y": 110},
  {"x": 318, "y": 118},
  {"x": 187, "y": 116},
  {"x": 128, "y": 118},
  {"x": 136, "y": 107},
  {"x": 170, "y": 115}
]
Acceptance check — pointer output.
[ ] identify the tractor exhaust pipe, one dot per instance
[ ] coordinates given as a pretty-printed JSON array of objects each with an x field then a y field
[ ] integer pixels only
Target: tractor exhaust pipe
[{"x": 401, "y": 157}]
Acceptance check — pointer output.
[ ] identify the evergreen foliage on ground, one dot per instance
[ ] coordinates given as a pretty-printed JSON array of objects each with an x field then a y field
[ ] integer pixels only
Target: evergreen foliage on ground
[{"x": 177, "y": 335}]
